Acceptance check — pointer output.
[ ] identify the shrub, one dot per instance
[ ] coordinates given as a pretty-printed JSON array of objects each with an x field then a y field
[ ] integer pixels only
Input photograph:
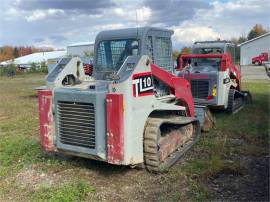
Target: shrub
[
  {"x": 43, "y": 68},
  {"x": 33, "y": 68},
  {"x": 9, "y": 70}
]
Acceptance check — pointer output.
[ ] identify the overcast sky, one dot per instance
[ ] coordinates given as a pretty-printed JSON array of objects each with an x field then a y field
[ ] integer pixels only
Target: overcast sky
[{"x": 57, "y": 23}]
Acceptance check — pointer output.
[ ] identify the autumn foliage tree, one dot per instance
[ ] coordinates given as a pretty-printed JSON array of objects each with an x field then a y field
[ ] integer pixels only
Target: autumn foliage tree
[
  {"x": 10, "y": 52},
  {"x": 6, "y": 53},
  {"x": 184, "y": 50},
  {"x": 256, "y": 31}
]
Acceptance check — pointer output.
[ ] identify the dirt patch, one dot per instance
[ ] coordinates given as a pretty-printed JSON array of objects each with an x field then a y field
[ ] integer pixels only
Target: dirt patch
[
  {"x": 120, "y": 183},
  {"x": 33, "y": 179},
  {"x": 252, "y": 186},
  {"x": 112, "y": 183}
]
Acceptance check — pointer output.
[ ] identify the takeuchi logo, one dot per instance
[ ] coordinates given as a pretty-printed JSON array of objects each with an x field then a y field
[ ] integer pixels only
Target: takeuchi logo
[{"x": 142, "y": 84}]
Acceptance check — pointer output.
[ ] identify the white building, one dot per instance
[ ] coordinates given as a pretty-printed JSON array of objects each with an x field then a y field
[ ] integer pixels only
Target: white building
[
  {"x": 36, "y": 58},
  {"x": 80, "y": 49},
  {"x": 253, "y": 48}
]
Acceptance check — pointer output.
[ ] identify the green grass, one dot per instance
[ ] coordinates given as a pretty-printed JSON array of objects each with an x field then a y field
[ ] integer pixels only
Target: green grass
[
  {"x": 19, "y": 136},
  {"x": 17, "y": 152},
  {"x": 19, "y": 127},
  {"x": 75, "y": 191}
]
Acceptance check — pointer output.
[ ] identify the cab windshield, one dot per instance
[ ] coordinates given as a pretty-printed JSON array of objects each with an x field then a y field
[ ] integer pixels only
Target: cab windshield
[
  {"x": 211, "y": 50},
  {"x": 111, "y": 54},
  {"x": 208, "y": 50}
]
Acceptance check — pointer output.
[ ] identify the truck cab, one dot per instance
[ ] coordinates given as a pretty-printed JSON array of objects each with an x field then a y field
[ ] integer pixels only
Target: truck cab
[{"x": 259, "y": 60}]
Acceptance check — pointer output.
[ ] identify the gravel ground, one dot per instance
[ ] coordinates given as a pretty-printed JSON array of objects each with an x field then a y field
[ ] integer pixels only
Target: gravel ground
[{"x": 252, "y": 72}]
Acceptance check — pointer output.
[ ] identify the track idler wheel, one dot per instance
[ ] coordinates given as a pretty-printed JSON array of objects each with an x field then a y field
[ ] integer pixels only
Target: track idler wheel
[{"x": 167, "y": 139}]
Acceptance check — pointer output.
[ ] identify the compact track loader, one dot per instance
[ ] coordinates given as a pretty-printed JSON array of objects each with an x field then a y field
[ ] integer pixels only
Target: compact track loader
[
  {"x": 214, "y": 78},
  {"x": 132, "y": 110}
]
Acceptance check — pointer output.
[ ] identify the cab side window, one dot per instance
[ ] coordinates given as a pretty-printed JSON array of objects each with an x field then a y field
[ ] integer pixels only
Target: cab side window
[
  {"x": 149, "y": 48},
  {"x": 230, "y": 50},
  {"x": 163, "y": 52}
]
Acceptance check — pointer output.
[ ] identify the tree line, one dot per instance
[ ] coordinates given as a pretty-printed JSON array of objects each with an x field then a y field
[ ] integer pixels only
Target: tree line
[{"x": 11, "y": 52}]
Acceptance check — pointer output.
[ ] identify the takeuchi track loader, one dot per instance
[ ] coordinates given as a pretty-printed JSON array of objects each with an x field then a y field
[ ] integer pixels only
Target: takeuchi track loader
[
  {"x": 214, "y": 78},
  {"x": 132, "y": 110}
]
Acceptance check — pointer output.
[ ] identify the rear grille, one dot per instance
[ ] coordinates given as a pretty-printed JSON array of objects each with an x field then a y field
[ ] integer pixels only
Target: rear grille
[
  {"x": 77, "y": 124},
  {"x": 200, "y": 88}
]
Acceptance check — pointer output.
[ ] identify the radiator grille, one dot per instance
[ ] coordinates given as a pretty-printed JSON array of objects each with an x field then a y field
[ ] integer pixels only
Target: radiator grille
[
  {"x": 77, "y": 124},
  {"x": 200, "y": 88}
]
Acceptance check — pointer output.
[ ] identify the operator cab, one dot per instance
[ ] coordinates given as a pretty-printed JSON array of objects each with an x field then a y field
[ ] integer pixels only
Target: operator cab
[
  {"x": 208, "y": 64},
  {"x": 212, "y": 64},
  {"x": 214, "y": 47},
  {"x": 118, "y": 51},
  {"x": 116, "y": 54}
]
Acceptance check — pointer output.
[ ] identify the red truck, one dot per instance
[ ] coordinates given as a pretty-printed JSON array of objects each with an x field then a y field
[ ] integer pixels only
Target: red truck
[{"x": 260, "y": 59}]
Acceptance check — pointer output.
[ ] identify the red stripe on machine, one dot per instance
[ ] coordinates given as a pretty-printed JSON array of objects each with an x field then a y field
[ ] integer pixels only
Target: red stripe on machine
[
  {"x": 46, "y": 119},
  {"x": 115, "y": 128}
]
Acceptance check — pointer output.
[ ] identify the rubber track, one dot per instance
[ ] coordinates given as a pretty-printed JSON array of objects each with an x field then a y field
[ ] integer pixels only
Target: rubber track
[
  {"x": 151, "y": 138},
  {"x": 151, "y": 134},
  {"x": 234, "y": 105}
]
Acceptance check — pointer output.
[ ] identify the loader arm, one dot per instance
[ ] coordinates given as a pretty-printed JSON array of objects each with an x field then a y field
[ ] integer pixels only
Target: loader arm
[{"x": 179, "y": 87}]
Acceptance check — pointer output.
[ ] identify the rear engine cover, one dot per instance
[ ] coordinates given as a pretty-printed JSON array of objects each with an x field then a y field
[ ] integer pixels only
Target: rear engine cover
[{"x": 80, "y": 122}]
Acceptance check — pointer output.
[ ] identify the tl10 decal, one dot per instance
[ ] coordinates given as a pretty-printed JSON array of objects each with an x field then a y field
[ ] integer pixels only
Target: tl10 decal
[{"x": 142, "y": 84}]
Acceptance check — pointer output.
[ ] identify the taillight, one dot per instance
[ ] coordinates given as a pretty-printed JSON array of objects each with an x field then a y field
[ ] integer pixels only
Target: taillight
[
  {"x": 88, "y": 69},
  {"x": 210, "y": 97}
]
